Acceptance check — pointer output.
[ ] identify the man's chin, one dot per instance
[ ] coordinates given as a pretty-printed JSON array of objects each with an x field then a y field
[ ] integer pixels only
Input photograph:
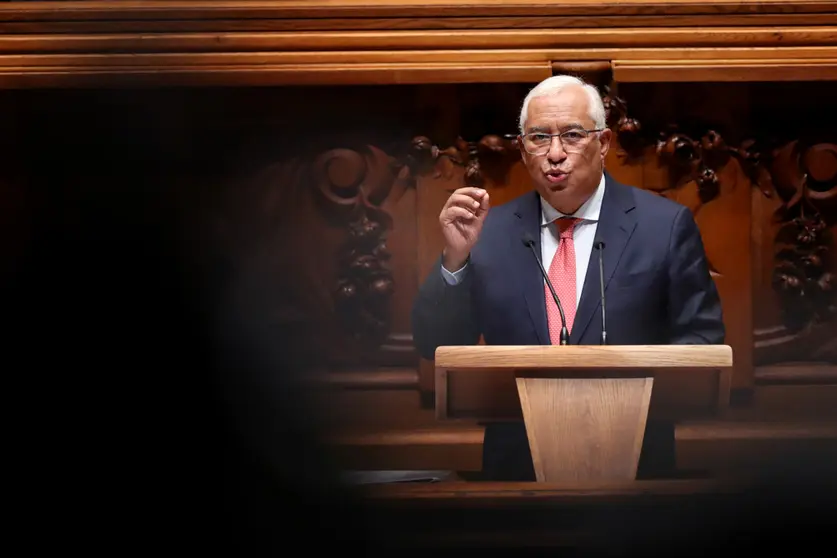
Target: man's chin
[{"x": 555, "y": 187}]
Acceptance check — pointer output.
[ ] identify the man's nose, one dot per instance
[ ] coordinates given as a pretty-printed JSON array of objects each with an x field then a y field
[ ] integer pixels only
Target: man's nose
[{"x": 556, "y": 151}]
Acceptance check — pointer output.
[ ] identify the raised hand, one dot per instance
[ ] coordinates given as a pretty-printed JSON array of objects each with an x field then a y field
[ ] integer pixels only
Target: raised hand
[{"x": 461, "y": 219}]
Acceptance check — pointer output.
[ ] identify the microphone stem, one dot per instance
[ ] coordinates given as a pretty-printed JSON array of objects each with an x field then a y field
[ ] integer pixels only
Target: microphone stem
[
  {"x": 564, "y": 338},
  {"x": 600, "y": 247}
]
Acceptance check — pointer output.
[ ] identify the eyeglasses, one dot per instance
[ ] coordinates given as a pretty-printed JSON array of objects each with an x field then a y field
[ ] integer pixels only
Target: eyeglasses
[{"x": 573, "y": 141}]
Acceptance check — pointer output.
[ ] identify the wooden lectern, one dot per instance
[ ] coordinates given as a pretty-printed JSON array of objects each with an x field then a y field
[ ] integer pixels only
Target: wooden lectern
[{"x": 584, "y": 406}]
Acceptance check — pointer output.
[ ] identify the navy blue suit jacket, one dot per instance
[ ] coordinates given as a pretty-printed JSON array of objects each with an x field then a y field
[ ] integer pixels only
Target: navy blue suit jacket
[{"x": 658, "y": 289}]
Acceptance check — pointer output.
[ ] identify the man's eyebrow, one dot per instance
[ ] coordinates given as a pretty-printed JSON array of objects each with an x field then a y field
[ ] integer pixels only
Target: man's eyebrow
[{"x": 547, "y": 130}]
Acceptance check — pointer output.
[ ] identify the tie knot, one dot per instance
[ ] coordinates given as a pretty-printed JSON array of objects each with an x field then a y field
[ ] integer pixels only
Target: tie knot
[{"x": 565, "y": 226}]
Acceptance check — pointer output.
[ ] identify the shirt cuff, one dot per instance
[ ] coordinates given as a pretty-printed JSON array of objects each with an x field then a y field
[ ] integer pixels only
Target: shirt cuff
[{"x": 454, "y": 277}]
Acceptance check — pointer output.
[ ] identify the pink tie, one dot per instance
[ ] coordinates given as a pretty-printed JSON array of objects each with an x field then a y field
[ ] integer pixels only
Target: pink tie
[{"x": 562, "y": 276}]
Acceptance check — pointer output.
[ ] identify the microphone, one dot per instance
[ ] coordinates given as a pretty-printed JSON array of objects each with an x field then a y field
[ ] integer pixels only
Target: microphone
[
  {"x": 600, "y": 247},
  {"x": 565, "y": 335}
]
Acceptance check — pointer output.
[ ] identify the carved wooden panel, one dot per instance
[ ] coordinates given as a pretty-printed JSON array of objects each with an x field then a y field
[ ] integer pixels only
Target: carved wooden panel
[
  {"x": 320, "y": 210},
  {"x": 727, "y": 140},
  {"x": 794, "y": 249}
]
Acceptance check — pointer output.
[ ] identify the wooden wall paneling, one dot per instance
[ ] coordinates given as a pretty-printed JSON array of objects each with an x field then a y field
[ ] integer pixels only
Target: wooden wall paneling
[
  {"x": 334, "y": 202},
  {"x": 725, "y": 70},
  {"x": 225, "y": 10},
  {"x": 87, "y": 44},
  {"x": 407, "y": 67},
  {"x": 31, "y": 21},
  {"x": 430, "y": 54},
  {"x": 419, "y": 40},
  {"x": 793, "y": 247}
]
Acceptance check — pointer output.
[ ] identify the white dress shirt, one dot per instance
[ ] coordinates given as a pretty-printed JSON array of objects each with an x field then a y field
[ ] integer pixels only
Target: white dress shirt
[{"x": 584, "y": 234}]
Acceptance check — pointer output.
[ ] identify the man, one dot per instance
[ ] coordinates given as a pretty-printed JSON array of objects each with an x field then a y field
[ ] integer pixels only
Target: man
[{"x": 487, "y": 282}]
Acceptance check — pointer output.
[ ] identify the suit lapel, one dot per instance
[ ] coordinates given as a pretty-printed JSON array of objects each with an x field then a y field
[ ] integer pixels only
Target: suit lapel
[
  {"x": 616, "y": 224},
  {"x": 526, "y": 268}
]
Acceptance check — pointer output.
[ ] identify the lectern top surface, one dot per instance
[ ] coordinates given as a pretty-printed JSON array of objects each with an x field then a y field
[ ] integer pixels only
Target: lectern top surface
[{"x": 584, "y": 356}]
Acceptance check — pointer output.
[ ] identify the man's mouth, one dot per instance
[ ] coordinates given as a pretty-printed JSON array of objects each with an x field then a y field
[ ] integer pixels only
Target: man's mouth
[{"x": 556, "y": 176}]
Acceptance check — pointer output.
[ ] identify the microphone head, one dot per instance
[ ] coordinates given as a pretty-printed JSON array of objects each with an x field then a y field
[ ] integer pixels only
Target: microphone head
[
  {"x": 600, "y": 245},
  {"x": 527, "y": 240}
]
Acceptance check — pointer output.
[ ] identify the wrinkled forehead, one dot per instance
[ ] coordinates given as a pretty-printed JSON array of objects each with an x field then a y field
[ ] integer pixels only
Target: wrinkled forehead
[{"x": 554, "y": 112}]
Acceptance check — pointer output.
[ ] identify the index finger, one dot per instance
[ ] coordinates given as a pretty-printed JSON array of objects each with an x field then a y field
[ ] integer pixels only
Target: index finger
[{"x": 476, "y": 193}]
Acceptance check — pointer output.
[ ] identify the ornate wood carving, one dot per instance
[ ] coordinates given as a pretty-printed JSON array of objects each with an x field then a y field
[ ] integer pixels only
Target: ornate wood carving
[
  {"x": 489, "y": 157},
  {"x": 804, "y": 175},
  {"x": 353, "y": 184},
  {"x": 686, "y": 158},
  {"x": 801, "y": 172}
]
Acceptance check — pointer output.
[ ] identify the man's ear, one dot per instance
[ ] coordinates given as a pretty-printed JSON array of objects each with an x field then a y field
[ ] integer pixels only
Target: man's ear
[{"x": 605, "y": 137}]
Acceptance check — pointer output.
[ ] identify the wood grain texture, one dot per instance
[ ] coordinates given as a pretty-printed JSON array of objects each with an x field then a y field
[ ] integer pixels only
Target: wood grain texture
[
  {"x": 455, "y": 436},
  {"x": 88, "y": 44},
  {"x": 478, "y": 382},
  {"x": 27, "y": 77},
  {"x": 26, "y": 25},
  {"x": 416, "y": 40},
  {"x": 725, "y": 70},
  {"x": 479, "y": 493},
  {"x": 229, "y": 9},
  {"x": 180, "y": 60},
  {"x": 592, "y": 357},
  {"x": 745, "y": 430},
  {"x": 585, "y": 429}
]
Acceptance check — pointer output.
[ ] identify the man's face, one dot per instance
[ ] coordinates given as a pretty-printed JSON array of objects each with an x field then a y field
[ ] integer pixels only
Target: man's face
[{"x": 565, "y": 180}]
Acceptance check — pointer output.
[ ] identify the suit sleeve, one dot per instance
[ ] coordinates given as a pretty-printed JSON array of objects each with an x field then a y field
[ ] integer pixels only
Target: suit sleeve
[
  {"x": 443, "y": 313},
  {"x": 694, "y": 306}
]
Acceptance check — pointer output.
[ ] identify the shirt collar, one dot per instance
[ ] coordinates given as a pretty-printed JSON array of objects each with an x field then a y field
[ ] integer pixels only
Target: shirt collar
[{"x": 589, "y": 210}]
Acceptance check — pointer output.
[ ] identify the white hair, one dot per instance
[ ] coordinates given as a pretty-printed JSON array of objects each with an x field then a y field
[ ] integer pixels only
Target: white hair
[{"x": 555, "y": 84}]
